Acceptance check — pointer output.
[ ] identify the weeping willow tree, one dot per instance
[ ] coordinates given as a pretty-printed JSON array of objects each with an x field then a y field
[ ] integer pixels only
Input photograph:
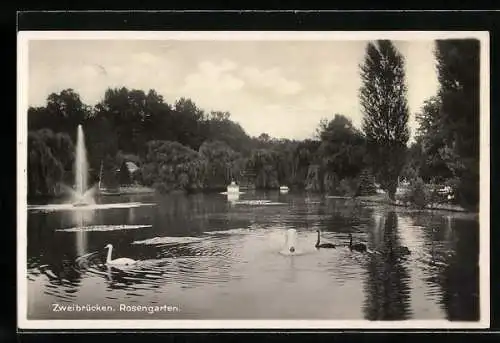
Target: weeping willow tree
[
  {"x": 221, "y": 164},
  {"x": 172, "y": 166},
  {"x": 50, "y": 159},
  {"x": 264, "y": 162}
]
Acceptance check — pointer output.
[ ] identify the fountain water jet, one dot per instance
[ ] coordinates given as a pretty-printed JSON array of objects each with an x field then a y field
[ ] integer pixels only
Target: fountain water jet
[{"x": 81, "y": 195}]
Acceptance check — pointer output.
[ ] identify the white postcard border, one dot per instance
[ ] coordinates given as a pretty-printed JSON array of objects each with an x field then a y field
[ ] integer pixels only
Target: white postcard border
[{"x": 22, "y": 101}]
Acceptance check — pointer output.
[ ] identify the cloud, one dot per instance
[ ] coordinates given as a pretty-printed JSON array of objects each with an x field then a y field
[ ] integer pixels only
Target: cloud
[
  {"x": 211, "y": 68},
  {"x": 115, "y": 71},
  {"x": 90, "y": 71},
  {"x": 212, "y": 79},
  {"x": 90, "y": 77},
  {"x": 278, "y": 120},
  {"x": 145, "y": 58},
  {"x": 271, "y": 79},
  {"x": 222, "y": 85},
  {"x": 318, "y": 103}
]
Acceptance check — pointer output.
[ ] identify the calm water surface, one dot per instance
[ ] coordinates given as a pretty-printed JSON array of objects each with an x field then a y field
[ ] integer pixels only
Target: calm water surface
[{"x": 213, "y": 258}]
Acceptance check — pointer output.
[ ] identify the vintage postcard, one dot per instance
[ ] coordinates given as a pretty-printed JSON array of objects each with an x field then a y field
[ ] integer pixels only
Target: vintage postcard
[{"x": 300, "y": 180}]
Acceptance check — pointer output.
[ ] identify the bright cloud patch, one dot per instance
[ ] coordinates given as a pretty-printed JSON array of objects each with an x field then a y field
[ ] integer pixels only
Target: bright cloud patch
[
  {"x": 271, "y": 79},
  {"x": 213, "y": 78}
]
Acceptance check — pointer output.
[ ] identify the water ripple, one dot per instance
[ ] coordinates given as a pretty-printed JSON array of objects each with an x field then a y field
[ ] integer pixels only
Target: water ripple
[
  {"x": 167, "y": 240},
  {"x": 90, "y": 207},
  {"x": 104, "y": 228}
]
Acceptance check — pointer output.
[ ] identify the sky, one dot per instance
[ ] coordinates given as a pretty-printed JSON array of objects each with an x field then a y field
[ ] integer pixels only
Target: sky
[{"x": 283, "y": 88}]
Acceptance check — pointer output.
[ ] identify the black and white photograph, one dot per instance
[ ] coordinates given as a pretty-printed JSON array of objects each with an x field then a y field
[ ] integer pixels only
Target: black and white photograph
[{"x": 253, "y": 179}]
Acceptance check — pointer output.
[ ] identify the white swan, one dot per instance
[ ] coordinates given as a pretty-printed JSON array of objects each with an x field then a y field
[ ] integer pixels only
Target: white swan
[{"x": 124, "y": 261}]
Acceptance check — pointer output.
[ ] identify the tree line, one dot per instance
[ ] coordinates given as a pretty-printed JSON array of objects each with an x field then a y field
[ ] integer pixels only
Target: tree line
[{"x": 179, "y": 146}]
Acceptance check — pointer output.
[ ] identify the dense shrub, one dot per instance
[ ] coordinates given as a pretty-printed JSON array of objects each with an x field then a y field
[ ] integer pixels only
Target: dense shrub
[{"x": 417, "y": 195}]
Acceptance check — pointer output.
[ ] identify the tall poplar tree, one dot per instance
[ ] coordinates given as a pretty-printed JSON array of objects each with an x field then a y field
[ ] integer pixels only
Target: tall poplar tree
[{"x": 383, "y": 97}]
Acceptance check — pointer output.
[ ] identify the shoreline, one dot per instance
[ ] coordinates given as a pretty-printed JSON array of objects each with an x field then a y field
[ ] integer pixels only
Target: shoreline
[
  {"x": 128, "y": 190},
  {"x": 382, "y": 199}
]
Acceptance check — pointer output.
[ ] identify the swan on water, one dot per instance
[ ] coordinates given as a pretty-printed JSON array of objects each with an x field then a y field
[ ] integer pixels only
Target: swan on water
[
  {"x": 123, "y": 261},
  {"x": 361, "y": 247},
  {"x": 400, "y": 251},
  {"x": 323, "y": 245}
]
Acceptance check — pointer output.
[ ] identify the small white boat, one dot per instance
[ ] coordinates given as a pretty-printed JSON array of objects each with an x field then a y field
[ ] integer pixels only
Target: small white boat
[
  {"x": 284, "y": 189},
  {"x": 378, "y": 189},
  {"x": 233, "y": 188}
]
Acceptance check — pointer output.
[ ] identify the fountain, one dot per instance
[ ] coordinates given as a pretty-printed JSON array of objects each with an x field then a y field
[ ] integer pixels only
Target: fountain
[
  {"x": 290, "y": 247},
  {"x": 81, "y": 194},
  {"x": 82, "y": 197}
]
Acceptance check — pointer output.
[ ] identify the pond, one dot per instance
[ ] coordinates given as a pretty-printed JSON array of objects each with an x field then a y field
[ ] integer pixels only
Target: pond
[{"x": 209, "y": 257}]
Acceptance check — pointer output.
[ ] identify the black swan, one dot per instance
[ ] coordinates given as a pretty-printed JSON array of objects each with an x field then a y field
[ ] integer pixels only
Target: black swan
[
  {"x": 358, "y": 246},
  {"x": 324, "y": 245},
  {"x": 400, "y": 251}
]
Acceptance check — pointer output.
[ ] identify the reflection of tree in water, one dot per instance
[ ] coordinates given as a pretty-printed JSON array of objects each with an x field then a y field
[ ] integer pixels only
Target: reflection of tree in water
[
  {"x": 302, "y": 212},
  {"x": 435, "y": 246},
  {"x": 433, "y": 227},
  {"x": 387, "y": 287},
  {"x": 453, "y": 262},
  {"x": 52, "y": 254},
  {"x": 344, "y": 216},
  {"x": 460, "y": 278},
  {"x": 180, "y": 214},
  {"x": 48, "y": 246}
]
